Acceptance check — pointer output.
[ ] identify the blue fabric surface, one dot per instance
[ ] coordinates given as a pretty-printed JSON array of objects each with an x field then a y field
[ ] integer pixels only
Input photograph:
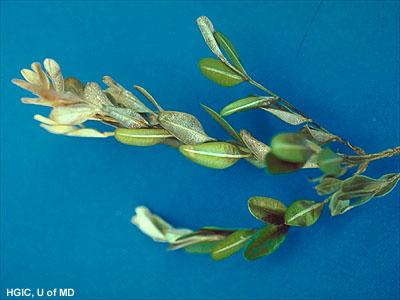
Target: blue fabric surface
[{"x": 66, "y": 202}]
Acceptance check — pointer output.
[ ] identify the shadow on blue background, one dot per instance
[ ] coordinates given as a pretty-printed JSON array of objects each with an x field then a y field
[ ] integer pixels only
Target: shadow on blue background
[{"x": 66, "y": 202}]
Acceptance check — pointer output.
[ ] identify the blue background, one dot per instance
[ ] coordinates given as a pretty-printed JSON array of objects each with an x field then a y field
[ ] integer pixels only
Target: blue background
[{"x": 66, "y": 202}]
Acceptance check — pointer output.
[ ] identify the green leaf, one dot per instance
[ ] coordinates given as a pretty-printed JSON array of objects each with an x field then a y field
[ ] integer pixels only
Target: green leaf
[
  {"x": 218, "y": 72},
  {"x": 244, "y": 104},
  {"x": 338, "y": 207},
  {"x": 277, "y": 166},
  {"x": 230, "y": 50},
  {"x": 266, "y": 241},
  {"x": 184, "y": 127},
  {"x": 217, "y": 155},
  {"x": 361, "y": 183},
  {"x": 291, "y": 147},
  {"x": 231, "y": 244},
  {"x": 141, "y": 137},
  {"x": 73, "y": 85},
  {"x": 286, "y": 116},
  {"x": 303, "y": 213},
  {"x": 328, "y": 185},
  {"x": 224, "y": 124},
  {"x": 329, "y": 162},
  {"x": 391, "y": 181},
  {"x": 201, "y": 248},
  {"x": 267, "y": 209}
]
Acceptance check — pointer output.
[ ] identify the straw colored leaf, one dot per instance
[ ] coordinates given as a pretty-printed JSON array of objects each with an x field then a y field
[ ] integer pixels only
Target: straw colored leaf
[
  {"x": 259, "y": 149},
  {"x": 72, "y": 114},
  {"x": 184, "y": 127},
  {"x": 287, "y": 116},
  {"x": 125, "y": 116},
  {"x": 54, "y": 71},
  {"x": 95, "y": 95},
  {"x": 73, "y": 85}
]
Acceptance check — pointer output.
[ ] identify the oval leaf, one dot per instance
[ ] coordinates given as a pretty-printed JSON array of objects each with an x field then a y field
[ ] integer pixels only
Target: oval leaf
[
  {"x": 125, "y": 116},
  {"x": 218, "y": 72},
  {"x": 291, "y": 147},
  {"x": 328, "y": 185},
  {"x": 267, "y": 209},
  {"x": 303, "y": 213},
  {"x": 201, "y": 248},
  {"x": 277, "y": 166},
  {"x": 266, "y": 241},
  {"x": 329, "y": 162},
  {"x": 184, "y": 127},
  {"x": 141, "y": 137},
  {"x": 231, "y": 244},
  {"x": 245, "y": 104},
  {"x": 391, "y": 181},
  {"x": 217, "y": 155},
  {"x": 73, "y": 85}
]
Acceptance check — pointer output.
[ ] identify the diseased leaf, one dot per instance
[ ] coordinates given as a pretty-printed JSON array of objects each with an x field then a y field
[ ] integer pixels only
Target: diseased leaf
[
  {"x": 329, "y": 162},
  {"x": 95, "y": 95},
  {"x": 259, "y": 149},
  {"x": 361, "y": 183},
  {"x": 391, "y": 181},
  {"x": 124, "y": 97},
  {"x": 231, "y": 244},
  {"x": 244, "y": 104},
  {"x": 43, "y": 79},
  {"x": 265, "y": 241},
  {"x": 338, "y": 207},
  {"x": 73, "y": 85},
  {"x": 224, "y": 124},
  {"x": 72, "y": 114},
  {"x": 267, "y": 210},
  {"x": 287, "y": 116},
  {"x": 291, "y": 147},
  {"x": 184, "y": 127},
  {"x": 217, "y": 155},
  {"x": 219, "y": 72},
  {"x": 277, "y": 166},
  {"x": 328, "y": 185},
  {"x": 142, "y": 137},
  {"x": 54, "y": 71},
  {"x": 303, "y": 213},
  {"x": 319, "y": 136},
  {"x": 125, "y": 116},
  {"x": 230, "y": 50},
  {"x": 207, "y": 30}
]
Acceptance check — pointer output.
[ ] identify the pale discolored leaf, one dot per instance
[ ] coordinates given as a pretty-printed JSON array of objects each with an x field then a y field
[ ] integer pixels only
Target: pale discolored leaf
[
  {"x": 43, "y": 79},
  {"x": 259, "y": 149},
  {"x": 244, "y": 104},
  {"x": 303, "y": 213},
  {"x": 125, "y": 116},
  {"x": 207, "y": 30},
  {"x": 219, "y": 72},
  {"x": 265, "y": 241},
  {"x": 267, "y": 210},
  {"x": 287, "y": 116},
  {"x": 72, "y": 114},
  {"x": 231, "y": 244},
  {"x": 318, "y": 135},
  {"x": 217, "y": 155},
  {"x": 54, "y": 71},
  {"x": 142, "y": 137},
  {"x": 95, "y": 95},
  {"x": 30, "y": 76},
  {"x": 390, "y": 181},
  {"x": 73, "y": 85},
  {"x": 184, "y": 127}
]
